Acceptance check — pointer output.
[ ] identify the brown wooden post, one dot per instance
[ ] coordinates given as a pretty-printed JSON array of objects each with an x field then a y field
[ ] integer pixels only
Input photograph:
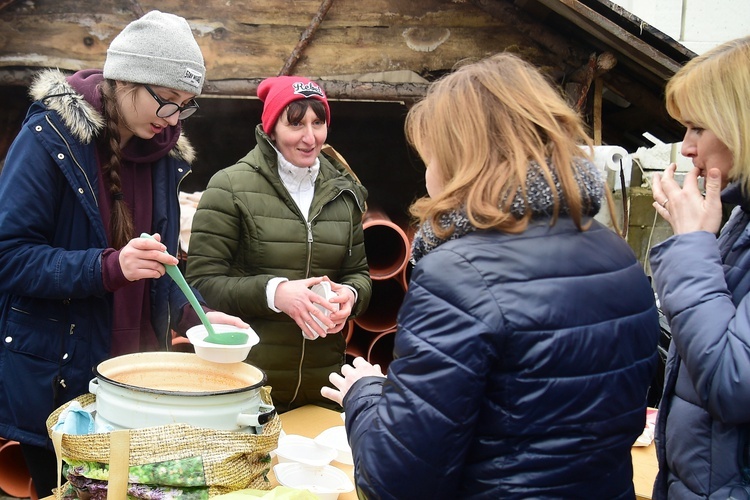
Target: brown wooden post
[{"x": 598, "y": 84}]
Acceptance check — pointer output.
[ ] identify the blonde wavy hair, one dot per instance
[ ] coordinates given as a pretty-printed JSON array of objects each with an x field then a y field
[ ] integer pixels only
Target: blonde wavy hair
[
  {"x": 480, "y": 126},
  {"x": 712, "y": 91}
]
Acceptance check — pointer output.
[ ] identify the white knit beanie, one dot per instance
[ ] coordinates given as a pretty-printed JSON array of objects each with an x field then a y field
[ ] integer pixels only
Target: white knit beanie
[{"x": 157, "y": 49}]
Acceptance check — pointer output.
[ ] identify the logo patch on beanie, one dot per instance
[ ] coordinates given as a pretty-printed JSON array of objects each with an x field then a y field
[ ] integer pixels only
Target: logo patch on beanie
[
  {"x": 192, "y": 78},
  {"x": 308, "y": 89}
]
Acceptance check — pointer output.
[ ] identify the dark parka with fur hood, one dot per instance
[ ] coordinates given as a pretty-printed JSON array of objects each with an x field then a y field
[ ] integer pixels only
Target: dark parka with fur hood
[
  {"x": 55, "y": 314},
  {"x": 248, "y": 230}
]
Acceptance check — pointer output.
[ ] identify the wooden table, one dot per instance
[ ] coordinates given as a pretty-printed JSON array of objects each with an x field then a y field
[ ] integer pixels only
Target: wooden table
[
  {"x": 645, "y": 468},
  {"x": 310, "y": 421}
]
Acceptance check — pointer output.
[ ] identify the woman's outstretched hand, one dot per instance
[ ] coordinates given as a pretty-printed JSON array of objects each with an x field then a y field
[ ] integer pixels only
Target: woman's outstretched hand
[
  {"x": 220, "y": 318},
  {"x": 351, "y": 373}
]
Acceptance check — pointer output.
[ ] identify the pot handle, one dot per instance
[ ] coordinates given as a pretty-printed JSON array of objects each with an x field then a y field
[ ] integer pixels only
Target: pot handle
[
  {"x": 265, "y": 414},
  {"x": 94, "y": 386}
]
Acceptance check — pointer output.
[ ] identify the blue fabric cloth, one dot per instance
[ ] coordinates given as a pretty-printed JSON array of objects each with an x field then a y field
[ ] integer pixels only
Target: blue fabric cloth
[
  {"x": 55, "y": 315},
  {"x": 78, "y": 421},
  {"x": 702, "y": 427},
  {"x": 521, "y": 367}
]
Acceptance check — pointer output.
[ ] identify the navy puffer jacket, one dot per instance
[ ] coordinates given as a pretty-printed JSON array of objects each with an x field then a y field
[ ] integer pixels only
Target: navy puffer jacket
[
  {"x": 703, "y": 428},
  {"x": 521, "y": 368}
]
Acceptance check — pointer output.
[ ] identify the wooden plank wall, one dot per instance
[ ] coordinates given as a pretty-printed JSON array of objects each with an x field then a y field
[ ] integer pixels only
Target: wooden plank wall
[{"x": 254, "y": 38}]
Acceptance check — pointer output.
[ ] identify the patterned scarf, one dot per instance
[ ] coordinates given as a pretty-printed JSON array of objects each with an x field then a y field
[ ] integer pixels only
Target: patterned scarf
[{"x": 540, "y": 202}]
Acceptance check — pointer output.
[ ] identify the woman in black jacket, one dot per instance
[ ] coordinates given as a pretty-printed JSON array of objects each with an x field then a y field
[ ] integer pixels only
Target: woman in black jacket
[{"x": 527, "y": 339}]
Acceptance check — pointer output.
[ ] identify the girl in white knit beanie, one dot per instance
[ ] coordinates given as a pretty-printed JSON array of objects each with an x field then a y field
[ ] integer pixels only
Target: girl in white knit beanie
[{"x": 98, "y": 161}]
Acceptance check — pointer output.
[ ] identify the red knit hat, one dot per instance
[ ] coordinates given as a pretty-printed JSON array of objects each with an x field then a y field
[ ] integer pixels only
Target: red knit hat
[{"x": 277, "y": 92}]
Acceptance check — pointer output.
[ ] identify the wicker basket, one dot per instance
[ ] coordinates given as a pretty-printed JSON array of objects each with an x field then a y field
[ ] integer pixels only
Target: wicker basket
[{"x": 220, "y": 461}]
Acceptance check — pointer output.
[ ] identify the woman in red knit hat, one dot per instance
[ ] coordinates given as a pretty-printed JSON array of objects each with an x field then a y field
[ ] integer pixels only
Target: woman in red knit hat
[{"x": 283, "y": 219}]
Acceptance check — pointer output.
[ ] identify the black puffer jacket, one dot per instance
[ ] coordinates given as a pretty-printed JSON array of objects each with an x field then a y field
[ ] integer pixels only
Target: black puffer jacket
[{"x": 521, "y": 369}]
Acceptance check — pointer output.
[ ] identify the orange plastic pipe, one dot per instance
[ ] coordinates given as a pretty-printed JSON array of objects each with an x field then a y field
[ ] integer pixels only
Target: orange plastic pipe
[
  {"x": 380, "y": 351},
  {"x": 14, "y": 476},
  {"x": 405, "y": 275},
  {"x": 359, "y": 343},
  {"x": 348, "y": 331},
  {"x": 381, "y": 315},
  {"x": 32, "y": 491},
  {"x": 386, "y": 245}
]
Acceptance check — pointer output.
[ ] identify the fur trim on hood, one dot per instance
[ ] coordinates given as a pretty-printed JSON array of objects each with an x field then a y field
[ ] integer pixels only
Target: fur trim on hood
[
  {"x": 83, "y": 121},
  {"x": 51, "y": 88}
]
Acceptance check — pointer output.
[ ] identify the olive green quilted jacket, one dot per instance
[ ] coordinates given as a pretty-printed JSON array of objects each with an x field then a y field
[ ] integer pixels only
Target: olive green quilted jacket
[{"x": 248, "y": 230}]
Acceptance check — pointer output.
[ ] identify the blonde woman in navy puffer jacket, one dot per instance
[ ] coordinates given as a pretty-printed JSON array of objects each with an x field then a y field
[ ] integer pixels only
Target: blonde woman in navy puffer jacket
[
  {"x": 527, "y": 339},
  {"x": 703, "y": 427}
]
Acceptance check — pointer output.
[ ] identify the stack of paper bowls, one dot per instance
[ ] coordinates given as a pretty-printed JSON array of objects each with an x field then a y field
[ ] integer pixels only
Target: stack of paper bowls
[
  {"x": 304, "y": 464},
  {"x": 335, "y": 437}
]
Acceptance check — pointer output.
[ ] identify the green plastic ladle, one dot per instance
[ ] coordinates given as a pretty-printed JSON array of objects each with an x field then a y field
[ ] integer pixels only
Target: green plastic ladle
[{"x": 225, "y": 338}]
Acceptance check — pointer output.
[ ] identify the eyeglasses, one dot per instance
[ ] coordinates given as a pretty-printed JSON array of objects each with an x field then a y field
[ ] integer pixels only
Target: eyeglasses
[{"x": 168, "y": 108}]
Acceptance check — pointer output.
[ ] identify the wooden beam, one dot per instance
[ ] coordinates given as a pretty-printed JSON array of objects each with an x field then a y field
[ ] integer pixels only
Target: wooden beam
[
  {"x": 580, "y": 81},
  {"x": 248, "y": 87},
  {"x": 334, "y": 89},
  {"x": 17, "y": 77},
  {"x": 565, "y": 50},
  {"x": 598, "y": 111},
  {"x": 606, "y": 31},
  {"x": 5, "y": 3},
  {"x": 135, "y": 6},
  {"x": 304, "y": 40}
]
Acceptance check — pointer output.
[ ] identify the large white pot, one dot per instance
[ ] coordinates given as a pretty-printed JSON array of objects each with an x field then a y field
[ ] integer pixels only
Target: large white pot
[{"x": 161, "y": 388}]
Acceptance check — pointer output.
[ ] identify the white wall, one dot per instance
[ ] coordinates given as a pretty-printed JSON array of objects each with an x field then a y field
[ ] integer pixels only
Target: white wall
[{"x": 697, "y": 24}]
